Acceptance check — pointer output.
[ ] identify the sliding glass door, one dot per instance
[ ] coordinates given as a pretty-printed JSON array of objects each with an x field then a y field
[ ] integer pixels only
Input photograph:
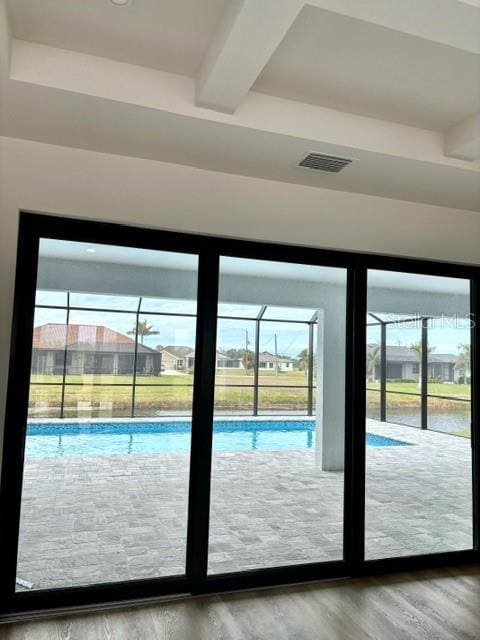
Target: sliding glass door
[
  {"x": 187, "y": 414},
  {"x": 279, "y": 430},
  {"x": 105, "y": 478},
  {"x": 419, "y": 467}
]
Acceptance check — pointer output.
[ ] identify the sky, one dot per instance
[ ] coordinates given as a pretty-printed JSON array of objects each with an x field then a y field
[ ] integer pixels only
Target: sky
[
  {"x": 445, "y": 334},
  {"x": 292, "y": 338}
]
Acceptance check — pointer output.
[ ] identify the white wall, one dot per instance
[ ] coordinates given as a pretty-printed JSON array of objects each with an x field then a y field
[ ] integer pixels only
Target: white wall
[{"x": 99, "y": 186}]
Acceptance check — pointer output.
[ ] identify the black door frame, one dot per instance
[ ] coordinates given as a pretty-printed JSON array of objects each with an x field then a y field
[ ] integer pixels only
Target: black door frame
[{"x": 34, "y": 226}]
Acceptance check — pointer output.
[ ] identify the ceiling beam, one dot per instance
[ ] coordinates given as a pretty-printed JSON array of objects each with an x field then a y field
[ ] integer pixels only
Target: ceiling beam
[
  {"x": 125, "y": 84},
  {"x": 455, "y": 23},
  {"x": 463, "y": 140},
  {"x": 247, "y": 36}
]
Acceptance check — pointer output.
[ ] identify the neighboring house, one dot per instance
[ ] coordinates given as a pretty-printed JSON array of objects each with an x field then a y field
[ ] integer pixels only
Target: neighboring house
[
  {"x": 90, "y": 349},
  {"x": 403, "y": 364},
  {"x": 267, "y": 360},
  {"x": 175, "y": 358},
  {"x": 225, "y": 361}
]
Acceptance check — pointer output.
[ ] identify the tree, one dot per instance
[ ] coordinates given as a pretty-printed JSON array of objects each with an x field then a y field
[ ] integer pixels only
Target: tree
[
  {"x": 463, "y": 361},
  {"x": 416, "y": 347},
  {"x": 373, "y": 360},
  {"x": 302, "y": 360},
  {"x": 143, "y": 329}
]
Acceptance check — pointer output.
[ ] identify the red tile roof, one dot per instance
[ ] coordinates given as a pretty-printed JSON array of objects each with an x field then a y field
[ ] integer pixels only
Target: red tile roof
[{"x": 82, "y": 337}]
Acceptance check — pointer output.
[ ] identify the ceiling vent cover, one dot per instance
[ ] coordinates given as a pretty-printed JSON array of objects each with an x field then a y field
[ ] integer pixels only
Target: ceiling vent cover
[{"x": 321, "y": 162}]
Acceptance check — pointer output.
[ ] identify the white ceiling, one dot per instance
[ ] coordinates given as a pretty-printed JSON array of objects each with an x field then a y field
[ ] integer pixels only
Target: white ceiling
[
  {"x": 355, "y": 66},
  {"x": 326, "y": 58},
  {"x": 381, "y": 91},
  {"x": 111, "y": 254},
  {"x": 171, "y": 36},
  {"x": 414, "y": 282}
]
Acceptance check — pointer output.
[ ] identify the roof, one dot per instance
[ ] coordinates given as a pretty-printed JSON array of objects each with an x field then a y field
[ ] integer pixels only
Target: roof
[
  {"x": 225, "y": 356},
  {"x": 265, "y": 356},
  {"x": 84, "y": 337},
  {"x": 177, "y": 350},
  {"x": 188, "y": 352},
  {"x": 401, "y": 353}
]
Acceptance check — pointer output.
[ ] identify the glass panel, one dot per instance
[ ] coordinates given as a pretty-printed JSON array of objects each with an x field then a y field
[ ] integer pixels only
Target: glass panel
[
  {"x": 51, "y": 298},
  {"x": 233, "y": 400},
  {"x": 248, "y": 311},
  {"x": 105, "y": 495},
  {"x": 159, "y": 400},
  {"x": 85, "y": 402},
  {"x": 450, "y": 416},
  {"x": 235, "y": 352},
  {"x": 98, "y": 301},
  {"x": 449, "y": 375},
  {"x": 276, "y": 500},
  {"x": 374, "y": 339},
  {"x": 44, "y": 401},
  {"x": 404, "y": 408},
  {"x": 101, "y": 347},
  {"x": 48, "y": 345},
  {"x": 404, "y": 339},
  {"x": 282, "y": 400},
  {"x": 403, "y": 356},
  {"x": 166, "y": 349},
  {"x": 373, "y": 404},
  {"x": 288, "y": 313},
  {"x": 419, "y": 481},
  {"x": 283, "y": 352},
  {"x": 157, "y": 305}
]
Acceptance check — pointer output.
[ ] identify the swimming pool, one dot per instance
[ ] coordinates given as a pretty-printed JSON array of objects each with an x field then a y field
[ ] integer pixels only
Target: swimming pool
[{"x": 46, "y": 440}]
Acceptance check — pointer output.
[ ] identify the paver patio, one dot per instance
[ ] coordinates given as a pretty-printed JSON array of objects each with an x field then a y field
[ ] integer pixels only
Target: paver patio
[{"x": 105, "y": 518}]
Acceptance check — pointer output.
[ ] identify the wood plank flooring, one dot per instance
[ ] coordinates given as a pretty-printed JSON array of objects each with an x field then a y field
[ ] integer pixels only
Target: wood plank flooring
[{"x": 435, "y": 605}]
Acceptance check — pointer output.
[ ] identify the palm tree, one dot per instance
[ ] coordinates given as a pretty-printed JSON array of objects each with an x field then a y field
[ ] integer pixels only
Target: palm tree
[
  {"x": 143, "y": 329},
  {"x": 373, "y": 360},
  {"x": 416, "y": 347},
  {"x": 463, "y": 361}
]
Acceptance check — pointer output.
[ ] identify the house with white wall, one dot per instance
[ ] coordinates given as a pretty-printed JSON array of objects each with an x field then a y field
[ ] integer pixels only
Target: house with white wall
[{"x": 272, "y": 362}]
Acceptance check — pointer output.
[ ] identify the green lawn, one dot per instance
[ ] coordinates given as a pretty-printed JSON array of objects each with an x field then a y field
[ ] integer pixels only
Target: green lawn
[
  {"x": 434, "y": 388},
  {"x": 165, "y": 393},
  {"x": 173, "y": 393}
]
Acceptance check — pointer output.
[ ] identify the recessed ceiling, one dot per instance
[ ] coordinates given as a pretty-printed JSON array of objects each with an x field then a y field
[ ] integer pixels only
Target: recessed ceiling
[
  {"x": 169, "y": 35},
  {"x": 354, "y": 67},
  {"x": 359, "y": 67}
]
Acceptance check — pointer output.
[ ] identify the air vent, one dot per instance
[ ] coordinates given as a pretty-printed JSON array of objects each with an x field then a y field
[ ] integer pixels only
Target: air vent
[{"x": 321, "y": 162}]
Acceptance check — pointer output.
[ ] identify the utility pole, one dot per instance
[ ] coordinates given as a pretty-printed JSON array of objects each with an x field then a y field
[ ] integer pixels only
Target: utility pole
[
  {"x": 276, "y": 356},
  {"x": 246, "y": 351}
]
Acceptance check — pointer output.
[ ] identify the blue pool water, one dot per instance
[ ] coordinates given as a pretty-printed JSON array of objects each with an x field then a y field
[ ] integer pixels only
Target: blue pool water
[{"x": 46, "y": 440}]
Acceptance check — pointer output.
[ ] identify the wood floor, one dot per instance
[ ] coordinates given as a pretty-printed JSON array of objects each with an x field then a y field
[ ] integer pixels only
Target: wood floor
[{"x": 435, "y": 605}]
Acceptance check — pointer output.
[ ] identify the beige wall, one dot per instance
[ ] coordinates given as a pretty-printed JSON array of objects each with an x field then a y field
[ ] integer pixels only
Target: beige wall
[{"x": 93, "y": 185}]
